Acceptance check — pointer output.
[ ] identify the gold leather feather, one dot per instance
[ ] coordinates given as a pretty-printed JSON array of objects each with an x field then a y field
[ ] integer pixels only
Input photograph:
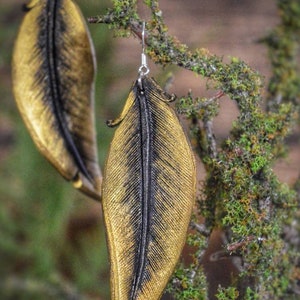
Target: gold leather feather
[
  {"x": 53, "y": 79},
  {"x": 149, "y": 188}
]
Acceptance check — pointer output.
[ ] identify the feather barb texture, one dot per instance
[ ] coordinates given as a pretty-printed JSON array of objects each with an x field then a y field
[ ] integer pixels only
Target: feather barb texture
[
  {"x": 149, "y": 188},
  {"x": 53, "y": 81}
]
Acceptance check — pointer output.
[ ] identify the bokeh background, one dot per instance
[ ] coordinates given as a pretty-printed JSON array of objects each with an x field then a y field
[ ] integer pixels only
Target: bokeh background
[{"x": 52, "y": 241}]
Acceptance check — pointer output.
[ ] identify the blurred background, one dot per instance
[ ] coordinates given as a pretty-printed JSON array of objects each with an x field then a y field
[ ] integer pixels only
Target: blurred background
[{"x": 52, "y": 242}]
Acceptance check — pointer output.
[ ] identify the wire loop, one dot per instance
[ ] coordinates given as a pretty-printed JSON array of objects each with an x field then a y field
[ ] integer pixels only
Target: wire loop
[{"x": 143, "y": 69}]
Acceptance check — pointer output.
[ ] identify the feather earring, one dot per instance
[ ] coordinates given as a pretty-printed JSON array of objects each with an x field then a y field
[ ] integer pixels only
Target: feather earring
[
  {"x": 53, "y": 80},
  {"x": 149, "y": 189}
]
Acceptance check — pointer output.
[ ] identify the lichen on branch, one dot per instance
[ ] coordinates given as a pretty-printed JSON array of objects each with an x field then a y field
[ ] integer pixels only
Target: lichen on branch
[{"x": 241, "y": 193}]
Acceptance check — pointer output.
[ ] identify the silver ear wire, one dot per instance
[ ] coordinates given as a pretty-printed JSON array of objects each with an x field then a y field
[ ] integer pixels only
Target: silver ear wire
[{"x": 144, "y": 69}]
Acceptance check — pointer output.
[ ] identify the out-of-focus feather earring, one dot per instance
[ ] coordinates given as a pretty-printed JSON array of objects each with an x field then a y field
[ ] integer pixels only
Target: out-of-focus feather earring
[
  {"x": 149, "y": 189},
  {"x": 53, "y": 81}
]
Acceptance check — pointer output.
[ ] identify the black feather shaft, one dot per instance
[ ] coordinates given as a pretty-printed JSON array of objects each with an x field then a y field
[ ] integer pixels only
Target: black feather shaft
[{"x": 53, "y": 36}]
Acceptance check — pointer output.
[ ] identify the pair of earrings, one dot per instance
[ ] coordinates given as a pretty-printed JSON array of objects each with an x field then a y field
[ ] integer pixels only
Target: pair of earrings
[{"x": 149, "y": 182}]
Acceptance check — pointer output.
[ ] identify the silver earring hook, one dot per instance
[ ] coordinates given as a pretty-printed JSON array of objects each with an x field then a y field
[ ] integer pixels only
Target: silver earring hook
[{"x": 144, "y": 69}]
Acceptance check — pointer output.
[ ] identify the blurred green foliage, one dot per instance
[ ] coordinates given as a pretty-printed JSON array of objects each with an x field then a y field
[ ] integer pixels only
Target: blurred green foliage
[{"x": 52, "y": 243}]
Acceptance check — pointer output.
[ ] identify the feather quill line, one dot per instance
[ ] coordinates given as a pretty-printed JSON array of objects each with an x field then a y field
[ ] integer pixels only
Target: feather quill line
[
  {"x": 146, "y": 158},
  {"x": 52, "y": 14}
]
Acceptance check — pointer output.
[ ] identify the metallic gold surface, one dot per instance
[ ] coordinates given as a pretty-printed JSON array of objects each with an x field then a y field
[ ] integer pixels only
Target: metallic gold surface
[
  {"x": 149, "y": 190},
  {"x": 53, "y": 78}
]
